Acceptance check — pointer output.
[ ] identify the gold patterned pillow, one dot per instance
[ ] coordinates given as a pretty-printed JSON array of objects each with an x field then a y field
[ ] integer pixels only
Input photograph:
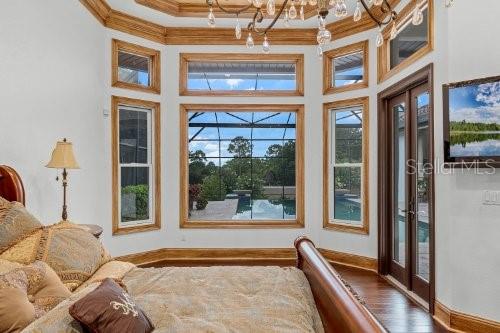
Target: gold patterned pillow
[
  {"x": 15, "y": 223},
  {"x": 27, "y": 293},
  {"x": 73, "y": 253}
]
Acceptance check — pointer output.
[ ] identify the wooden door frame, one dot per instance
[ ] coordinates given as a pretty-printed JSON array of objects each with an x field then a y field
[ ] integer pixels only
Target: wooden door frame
[{"x": 421, "y": 76}]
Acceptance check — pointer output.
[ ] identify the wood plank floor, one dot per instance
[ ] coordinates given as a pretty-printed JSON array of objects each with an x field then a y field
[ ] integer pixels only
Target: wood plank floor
[{"x": 394, "y": 310}]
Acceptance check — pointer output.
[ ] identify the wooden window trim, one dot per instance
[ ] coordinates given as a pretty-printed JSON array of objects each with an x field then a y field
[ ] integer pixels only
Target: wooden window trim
[
  {"x": 156, "y": 144},
  {"x": 154, "y": 66},
  {"x": 384, "y": 71},
  {"x": 242, "y": 224},
  {"x": 185, "y": 58},
  {"x": 328, "y": 69},
  {"x": 365, "y": 186}
]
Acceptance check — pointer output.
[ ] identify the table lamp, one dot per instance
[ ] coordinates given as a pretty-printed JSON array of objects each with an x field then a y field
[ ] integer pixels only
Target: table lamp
[{"x": 63, "y": 158}]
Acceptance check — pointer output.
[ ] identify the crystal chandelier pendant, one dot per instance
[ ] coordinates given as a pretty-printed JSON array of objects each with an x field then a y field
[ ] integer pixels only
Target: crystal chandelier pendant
[
  {"x": 343, "y": 8},
  {"x": 211, "y": 18},
  {"x": 378, "y": 2},
  {"x": 302, "y": 15},
  {"x": 418, "y": 16},
  {"x": 286, "y": 21},
  {"x": 380, "y": 38},
  {"x": 237, "y": 29},
  {"x": 357, "y": 13},
  {"x": 257, "y": 3},
  {"x": 250, "y": 44},
  {"x": 265, "y": 46},
  {"x": 271, "y": 7},
  {"x": 448, "y": 3},
  {"x": 313, "y": 2},
  {"x": 319, "y": 51},
  {"x": 394, "y": 31},
  {"x": 292, "y": 12}
]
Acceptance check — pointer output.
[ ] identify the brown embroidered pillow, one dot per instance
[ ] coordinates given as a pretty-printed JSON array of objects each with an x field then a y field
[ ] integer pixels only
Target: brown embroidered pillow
[{"x": 110, "y": 309}]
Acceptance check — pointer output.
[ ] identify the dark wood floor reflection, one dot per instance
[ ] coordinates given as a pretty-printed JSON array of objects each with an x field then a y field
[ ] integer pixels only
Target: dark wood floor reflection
[{"x": 394, "y": 310}]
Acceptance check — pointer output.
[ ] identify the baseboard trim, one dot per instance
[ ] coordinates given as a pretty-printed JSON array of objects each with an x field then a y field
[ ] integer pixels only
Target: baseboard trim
[
  {"x": 461, "y": 322},
  {"x": 348, "y": 259},
  {"x": 239, "y": 256}
]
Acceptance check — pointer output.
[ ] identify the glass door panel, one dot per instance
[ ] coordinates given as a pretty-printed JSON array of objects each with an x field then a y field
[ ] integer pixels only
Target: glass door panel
[{"x": 399, "y": 214}]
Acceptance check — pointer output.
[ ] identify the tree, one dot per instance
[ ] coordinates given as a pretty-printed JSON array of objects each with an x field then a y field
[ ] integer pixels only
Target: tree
[
  {"x": 213, "y": 188},
  {"x": 240, "y": 147}
]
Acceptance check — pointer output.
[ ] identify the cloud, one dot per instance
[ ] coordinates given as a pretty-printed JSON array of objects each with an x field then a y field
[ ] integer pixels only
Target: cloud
[
  {"x": 489, "y": 94},
  {"x": 233, "y": 83},
  {"x": 482, "y": 114}
]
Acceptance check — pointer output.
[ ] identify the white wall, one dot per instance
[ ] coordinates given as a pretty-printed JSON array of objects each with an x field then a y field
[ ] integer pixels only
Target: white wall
[
  {"x": 51, "y": 67},
  {"x": 55, "y": 67}
]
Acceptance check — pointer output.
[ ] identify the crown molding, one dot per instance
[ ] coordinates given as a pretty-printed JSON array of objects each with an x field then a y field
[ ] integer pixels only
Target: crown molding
[
  {"x": 136, "y": 26},
  {"x": 175, "y": 8}
]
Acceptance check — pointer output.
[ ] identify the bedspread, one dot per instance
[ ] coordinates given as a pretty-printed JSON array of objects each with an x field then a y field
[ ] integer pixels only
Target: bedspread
[{"x": 210, "y": 299}]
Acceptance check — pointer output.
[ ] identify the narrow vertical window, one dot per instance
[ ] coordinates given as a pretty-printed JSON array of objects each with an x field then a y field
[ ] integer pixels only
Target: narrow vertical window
[
  {"x": 346, "y": 165},
  {"x": 135, "y": 165},
  {"x": 135, "y": 67}
]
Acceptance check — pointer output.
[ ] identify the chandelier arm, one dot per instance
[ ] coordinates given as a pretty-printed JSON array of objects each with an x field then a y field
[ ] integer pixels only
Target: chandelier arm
[
  {"x": 271, "y": 25},
  {"x": 232, "y": 12},
  {"x": 380, "y": 23}
]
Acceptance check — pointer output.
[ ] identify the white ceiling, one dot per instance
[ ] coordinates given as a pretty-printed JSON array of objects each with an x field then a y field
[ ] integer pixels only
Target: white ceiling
[{"x": 132, "y": 8}]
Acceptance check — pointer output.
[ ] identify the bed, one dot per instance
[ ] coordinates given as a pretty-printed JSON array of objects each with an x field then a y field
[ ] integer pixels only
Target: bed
[{"x": 310, "y": 297}]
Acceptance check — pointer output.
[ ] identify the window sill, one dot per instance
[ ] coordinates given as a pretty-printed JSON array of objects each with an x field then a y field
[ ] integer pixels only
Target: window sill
[
  {"x": 242, "y": 224},
  {"x": 355, "y": 229},
  {"x": 135, "y": 229}
]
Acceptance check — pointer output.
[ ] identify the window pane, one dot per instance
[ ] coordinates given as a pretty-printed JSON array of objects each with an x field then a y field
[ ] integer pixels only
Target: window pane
[
  {"x": 348, "y": 135},
  {"x": 241, "y": 75},
  {"x": 133, "y": 136},
  {"x": 347, "y": 194},
  {"x": 244, "y": 175},
  {"x": 348, "y": 69},
  {"x": 134, "y": 194},
  {"x": 409, "y": 40},
  {"x": 133, "y": 68}
]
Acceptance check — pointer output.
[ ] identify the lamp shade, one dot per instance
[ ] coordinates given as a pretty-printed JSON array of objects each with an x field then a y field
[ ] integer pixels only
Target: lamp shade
[{"x": 63, "y": 157}]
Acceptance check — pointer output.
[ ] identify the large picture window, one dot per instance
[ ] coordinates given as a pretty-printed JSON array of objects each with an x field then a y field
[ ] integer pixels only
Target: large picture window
[
  {"x": 136, "y": 170},
  {"x": 225, "y": 74},
  {"x": 346, "y": 165},
  {"x": 242, "y": 166},
  {"x": 410, "y": 44}
]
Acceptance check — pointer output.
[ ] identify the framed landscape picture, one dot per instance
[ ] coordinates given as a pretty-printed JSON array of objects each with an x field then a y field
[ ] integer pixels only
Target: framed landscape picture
[{"x": 472, "y": 121}]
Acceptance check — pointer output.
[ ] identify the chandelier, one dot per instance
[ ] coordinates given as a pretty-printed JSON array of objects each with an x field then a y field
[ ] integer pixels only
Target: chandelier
[{"x": 288, "y": 11}]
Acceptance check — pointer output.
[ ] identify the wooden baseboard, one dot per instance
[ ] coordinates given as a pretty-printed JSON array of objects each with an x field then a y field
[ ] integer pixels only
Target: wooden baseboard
[
  {"x": 348, "y": 259},
  {"x": 461, "y": 322},
  {"x": 246, "y": 256}
]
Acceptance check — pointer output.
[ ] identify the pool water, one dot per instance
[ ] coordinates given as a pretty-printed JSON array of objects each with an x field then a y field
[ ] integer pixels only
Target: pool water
[
  {"x": 347, "y": 210},
  {"x": 263, "y": 209}
]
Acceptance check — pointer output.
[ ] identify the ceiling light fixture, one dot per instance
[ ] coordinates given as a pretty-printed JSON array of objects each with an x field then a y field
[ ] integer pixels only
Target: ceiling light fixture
[{"x": 287, "y": 10}]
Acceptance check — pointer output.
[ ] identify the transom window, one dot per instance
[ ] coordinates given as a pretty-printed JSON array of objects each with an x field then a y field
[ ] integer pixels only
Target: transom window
[
  {"x": 241, "y": 74},
  {"x": 346, "y": 68},
  {"x": 135, "y": 67},
  {"x": 346, "y": 165},
  {"x": 243, "y": 167},
  {"x": 135, "y": 165},
  {"x": 410, "y": 44}
]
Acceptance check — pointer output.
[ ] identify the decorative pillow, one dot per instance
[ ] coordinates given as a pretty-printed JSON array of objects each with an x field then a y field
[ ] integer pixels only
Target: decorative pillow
[
  {"x": 110, "y": 309},
  {"x": 27, "y": 293},
  {"x": 73, "y": 252},
  {"x": 15, "y": 223},
  {"x": 115, "y": 270},
  {"x": 7, "y": 266},
  {"x": 24, "y": 251}
]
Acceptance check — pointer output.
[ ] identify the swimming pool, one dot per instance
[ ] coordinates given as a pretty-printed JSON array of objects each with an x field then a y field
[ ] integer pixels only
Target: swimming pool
[{"x": 264, "y": 209}]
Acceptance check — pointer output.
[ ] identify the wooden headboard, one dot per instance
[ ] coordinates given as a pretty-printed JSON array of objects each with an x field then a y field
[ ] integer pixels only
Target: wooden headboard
[{"x": 11, "y": 185}]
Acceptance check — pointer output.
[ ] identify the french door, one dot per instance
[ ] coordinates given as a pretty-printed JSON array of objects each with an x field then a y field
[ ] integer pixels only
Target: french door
[{"x": 407, "y": 203}]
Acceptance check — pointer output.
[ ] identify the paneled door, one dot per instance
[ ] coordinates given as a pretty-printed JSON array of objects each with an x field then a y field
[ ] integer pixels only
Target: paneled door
[{"x": 406, "y": 187}]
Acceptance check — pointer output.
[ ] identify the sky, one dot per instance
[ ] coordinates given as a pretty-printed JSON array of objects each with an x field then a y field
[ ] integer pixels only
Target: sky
[
  {"x": 241, "y": 84},
  {"x": 271, "y": 135},
  {"x": 477, "y": 103}
]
